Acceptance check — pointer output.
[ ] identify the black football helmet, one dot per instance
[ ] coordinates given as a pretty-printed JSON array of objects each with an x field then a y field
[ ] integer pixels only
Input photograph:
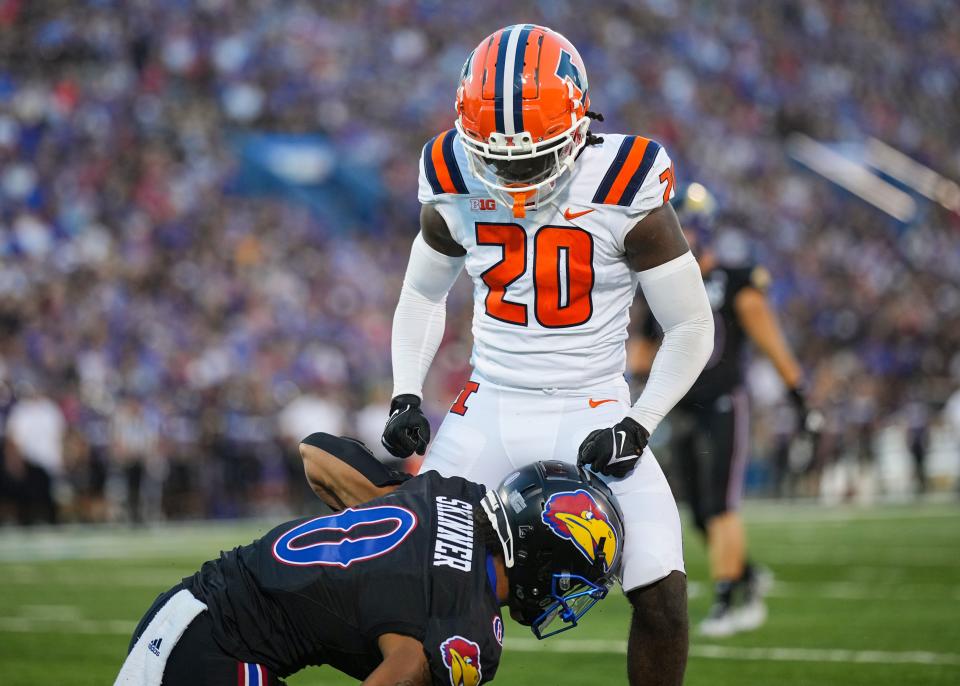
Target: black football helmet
[
  {"x": 562, "y": 536},
  {"x": 697, "y": 211}
]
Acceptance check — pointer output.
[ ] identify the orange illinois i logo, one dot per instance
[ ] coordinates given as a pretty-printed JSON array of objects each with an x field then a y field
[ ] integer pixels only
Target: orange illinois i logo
[
  {"x": 462, "y": 659},
  {"x": 460, "y": 404}
]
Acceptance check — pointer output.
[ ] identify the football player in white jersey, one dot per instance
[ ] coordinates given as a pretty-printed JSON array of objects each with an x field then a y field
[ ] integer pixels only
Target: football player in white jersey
[{"x": 557, "y": 228}]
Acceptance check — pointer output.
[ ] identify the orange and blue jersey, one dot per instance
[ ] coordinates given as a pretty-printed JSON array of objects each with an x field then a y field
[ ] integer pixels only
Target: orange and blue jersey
[
  {"x": 441, "y": 166},
  {"x": 552, "y": 290},
  {"x": 626, "y": 174}
]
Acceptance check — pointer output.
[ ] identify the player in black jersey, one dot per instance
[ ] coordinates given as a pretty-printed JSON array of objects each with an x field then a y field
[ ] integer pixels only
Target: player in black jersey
[
  {"x": 709, "y": 426},
  {"x": 404, "y": 588}
]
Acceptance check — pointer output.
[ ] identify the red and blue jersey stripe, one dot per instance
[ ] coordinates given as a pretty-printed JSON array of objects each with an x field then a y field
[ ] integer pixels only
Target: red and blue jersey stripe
[{"x": 250, "y": 674}]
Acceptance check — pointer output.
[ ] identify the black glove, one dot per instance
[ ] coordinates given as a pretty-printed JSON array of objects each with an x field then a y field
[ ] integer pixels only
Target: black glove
[
  {"x": 808, "y": 421},
  {"x": 614, "y": 451},
  {"x": 407, "y": 431},
  {"x": 799, "y": 401}
]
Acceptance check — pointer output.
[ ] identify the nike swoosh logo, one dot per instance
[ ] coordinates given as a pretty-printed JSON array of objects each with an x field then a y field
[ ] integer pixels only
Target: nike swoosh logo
[
  {"x": 598, "y": 403},
  {"x": 570, "y": 216},
  {"x": 623, "y": 439}
]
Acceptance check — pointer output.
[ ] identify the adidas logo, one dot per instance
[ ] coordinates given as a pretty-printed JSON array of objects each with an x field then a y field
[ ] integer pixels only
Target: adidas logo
[{"x": 154, "y": 646}]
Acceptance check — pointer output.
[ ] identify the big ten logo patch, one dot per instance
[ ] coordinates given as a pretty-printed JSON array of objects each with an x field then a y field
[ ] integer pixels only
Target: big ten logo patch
[{"x": 483, "y": 204}]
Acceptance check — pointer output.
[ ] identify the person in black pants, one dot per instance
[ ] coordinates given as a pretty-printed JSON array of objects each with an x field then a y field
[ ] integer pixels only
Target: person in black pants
[{"x": 710, "y": 433}]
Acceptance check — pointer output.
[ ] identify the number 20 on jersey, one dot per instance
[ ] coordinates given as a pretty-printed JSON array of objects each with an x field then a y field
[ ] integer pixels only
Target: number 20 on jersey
[{"x": 563, "y": 274}]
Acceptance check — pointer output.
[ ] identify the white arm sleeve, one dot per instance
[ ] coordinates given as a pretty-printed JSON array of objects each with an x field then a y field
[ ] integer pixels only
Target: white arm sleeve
[
  {"x": 421, "y": 315},
  {"x": 676, "y": 296}
]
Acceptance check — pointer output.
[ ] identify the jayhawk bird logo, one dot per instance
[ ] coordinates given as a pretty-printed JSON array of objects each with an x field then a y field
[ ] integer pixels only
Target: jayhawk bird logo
[
  {"x": 575, "y": 515},
  {"x": 462, "y": 658}
]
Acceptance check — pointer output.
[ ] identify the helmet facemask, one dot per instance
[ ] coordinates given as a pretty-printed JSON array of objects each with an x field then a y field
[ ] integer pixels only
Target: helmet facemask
[
  {"x": 521, "y": 173},
  {"x": 522, "y": 116},
  {"x": 572, "y": 597}
]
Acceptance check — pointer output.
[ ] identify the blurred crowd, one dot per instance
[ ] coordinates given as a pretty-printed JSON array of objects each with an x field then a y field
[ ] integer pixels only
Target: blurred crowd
[{"x": 166, "y": 341}]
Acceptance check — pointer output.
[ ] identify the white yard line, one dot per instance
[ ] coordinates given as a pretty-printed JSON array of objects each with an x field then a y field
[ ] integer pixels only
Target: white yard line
[
  {"x": 888, "y": 590},
  {"x": 809, "y": 555},
  {"x": 118, "y": 548},
  {"x": 886, "y": 657},
  {"x": 844, "y": 590},
  {"x": 771, "y": 512},
  {"x": 75, "y": 542},
  {"x": 79, "y": 542},
  {"x": 47, "y": 625},
  {"x": 123, "y": 579},
  {"x": 123, "y": 627},
  {"x": 848, "y": 590},
  {"x": 722, "y": 652}
]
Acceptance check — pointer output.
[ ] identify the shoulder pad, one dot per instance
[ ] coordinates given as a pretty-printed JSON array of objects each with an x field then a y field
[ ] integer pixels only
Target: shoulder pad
[
  {"x": 440, "y": 165},
  {"x": 760, "y": 278},
  {"x": 627, "y": 173}
]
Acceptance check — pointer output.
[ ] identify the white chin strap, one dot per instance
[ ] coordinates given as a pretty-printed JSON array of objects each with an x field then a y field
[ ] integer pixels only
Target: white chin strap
[
  {"x": 536, "y": 195},
  {"x": 523, "y": 148},
  {"x": 493, "y": 506}
]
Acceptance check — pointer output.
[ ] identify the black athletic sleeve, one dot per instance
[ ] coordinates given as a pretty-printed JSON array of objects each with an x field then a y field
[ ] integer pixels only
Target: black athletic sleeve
[{"x": 357, "y": 455}]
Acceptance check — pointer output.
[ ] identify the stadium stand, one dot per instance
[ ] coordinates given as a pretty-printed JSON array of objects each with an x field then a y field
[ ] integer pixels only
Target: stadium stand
[{"x": 173, "y": 318}]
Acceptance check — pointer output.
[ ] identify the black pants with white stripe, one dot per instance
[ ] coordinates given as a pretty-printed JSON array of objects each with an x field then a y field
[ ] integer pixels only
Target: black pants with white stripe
[
  {"x": 710, "y": 447},
  {"x": 197, "y": 660}
]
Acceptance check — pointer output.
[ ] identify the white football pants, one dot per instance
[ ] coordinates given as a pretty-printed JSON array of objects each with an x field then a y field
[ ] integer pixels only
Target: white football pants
[{"x": 502, "y": 429}]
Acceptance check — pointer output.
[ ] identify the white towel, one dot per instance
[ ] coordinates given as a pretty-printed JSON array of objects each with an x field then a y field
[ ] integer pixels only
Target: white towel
[{"x": 145, "y": 664}]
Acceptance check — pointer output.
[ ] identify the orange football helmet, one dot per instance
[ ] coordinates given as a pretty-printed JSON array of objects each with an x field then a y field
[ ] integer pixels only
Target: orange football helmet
[{"x": 522, "y": 113}]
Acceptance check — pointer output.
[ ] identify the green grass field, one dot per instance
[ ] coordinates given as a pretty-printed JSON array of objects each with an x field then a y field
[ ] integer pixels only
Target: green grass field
[{"x": 863, "y": 596}]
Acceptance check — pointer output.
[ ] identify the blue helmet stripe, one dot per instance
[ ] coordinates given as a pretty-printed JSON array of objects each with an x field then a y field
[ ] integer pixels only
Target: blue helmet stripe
[
  {"x": 518, "y": 78},
  {"x": 498, "y": 80}
]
